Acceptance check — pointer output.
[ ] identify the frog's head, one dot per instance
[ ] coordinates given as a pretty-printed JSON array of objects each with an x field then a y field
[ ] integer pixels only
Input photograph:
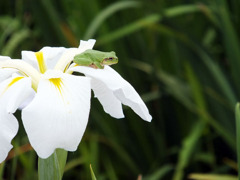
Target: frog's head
[{"x": 110, "y": 58}]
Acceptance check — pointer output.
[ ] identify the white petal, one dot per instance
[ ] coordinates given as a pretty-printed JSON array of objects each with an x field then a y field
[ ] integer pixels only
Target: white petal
[
  {"x": 8, "y": 130},
  {"x": 30, "y": 58},
  {"x": 110, "y": 103},
  {"x": 84, "y": 45},
  {"x": 27, "y": 100},
  {"x": 6, "y": 72},
  {"x": 58, "y": 115},
  {"x": 69, "y": 54},
  {"x": 22, "y": 91},
  {"x": 4, "y": 58},
  {"x": 12, "y": 93},
  {"x": 51, "y": 56},
  {"x": 121, "y": 89}
]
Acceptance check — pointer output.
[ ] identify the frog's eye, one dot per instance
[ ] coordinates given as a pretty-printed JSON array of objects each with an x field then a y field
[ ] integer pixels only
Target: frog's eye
[{"x": 110, "y": 58}]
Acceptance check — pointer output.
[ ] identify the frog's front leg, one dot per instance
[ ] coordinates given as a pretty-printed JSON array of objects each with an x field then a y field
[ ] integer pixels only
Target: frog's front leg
[{"x": 98, "y": 65}]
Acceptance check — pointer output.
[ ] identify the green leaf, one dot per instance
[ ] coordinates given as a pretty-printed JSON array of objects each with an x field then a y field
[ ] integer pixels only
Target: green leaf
[
  {"x": 92, "y": 173},
  {"x": 52, "y": 168},
  {"x": 2, "y": 165},
  {"x": 188, "y": 148},
  {"x": 212, "y": 66},
  {"x": 159, "y": 173},
  {"x": 103, "y": 15},
  {"x": 16, "y": 39},
  {"x": 231, "y": 40},
  {"x": 191, "y": 141},
  {"x": 211, "y": 177},
  {"x": 147, "y": 21},
  {"x": 237, "y": 114}
]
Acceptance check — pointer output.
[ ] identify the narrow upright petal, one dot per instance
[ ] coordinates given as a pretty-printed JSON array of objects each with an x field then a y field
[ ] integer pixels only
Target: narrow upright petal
[
  {"x": 84, "y": 45},
  {"x": 69, "y": 54},
  {"x": 51, "y": 56},
  {"x": 58, "y": 115},
  {"x": 120, "y": 88},
  {"x": 12, "y": 93}
]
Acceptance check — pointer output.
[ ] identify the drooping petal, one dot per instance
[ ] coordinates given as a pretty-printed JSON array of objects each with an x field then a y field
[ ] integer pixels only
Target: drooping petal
[
  {"x": 58, "y": 115},
  {"x": 8, "y": 128},
  {"x": 110, "y": 103},
  {"x": 12, "y": 94},
  {"x": 119, "y": 87},
  {"x": 27, "y": 100},
  {"x": 51, "y": 56}
]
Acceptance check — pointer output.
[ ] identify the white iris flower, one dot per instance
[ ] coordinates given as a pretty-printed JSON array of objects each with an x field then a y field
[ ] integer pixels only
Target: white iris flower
[{"x": 55, "y": 104}]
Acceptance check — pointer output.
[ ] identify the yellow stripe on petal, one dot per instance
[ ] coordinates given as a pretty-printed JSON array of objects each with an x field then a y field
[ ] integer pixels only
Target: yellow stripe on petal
[
  {"x": 14, "y": 80},
  {"x": 41, "y": 63},
  {"x": 57, "y": 83}
]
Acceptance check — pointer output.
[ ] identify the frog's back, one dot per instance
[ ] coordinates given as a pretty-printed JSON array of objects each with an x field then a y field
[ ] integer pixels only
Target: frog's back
[{"x": 94, "y": 55}]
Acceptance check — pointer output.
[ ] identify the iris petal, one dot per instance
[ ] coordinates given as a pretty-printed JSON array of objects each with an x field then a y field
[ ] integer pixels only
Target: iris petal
[
  {"x": 6, "y": 72},
  {"x": 51, "y": 56},
  {"x": 12, "y": 93},
  {"x": 110, "y": 103},
  {"x": 69, "y": 54},
  {"x": 119, "y": 87},
  {"x": 58, "y": 115},
  {"x": 84, "y": 45}
]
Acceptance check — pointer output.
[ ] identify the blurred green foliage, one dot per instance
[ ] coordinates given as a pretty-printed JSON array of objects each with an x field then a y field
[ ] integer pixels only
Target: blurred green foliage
[{"x": 183, "y": 57}]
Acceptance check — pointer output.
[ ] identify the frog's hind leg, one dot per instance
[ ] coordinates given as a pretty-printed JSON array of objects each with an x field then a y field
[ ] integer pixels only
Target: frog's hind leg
[
  {"x": 93, "y": 66},
  {"x": 82, "y": 61}
]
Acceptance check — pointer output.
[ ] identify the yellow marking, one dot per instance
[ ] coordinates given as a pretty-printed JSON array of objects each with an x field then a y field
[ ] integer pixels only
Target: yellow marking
[
  {"x": 14, "y": 80},
  {"x": 66, "y": 68},
  {"x": 41, "y": 63},
  {"x": 57, "y": 83}
]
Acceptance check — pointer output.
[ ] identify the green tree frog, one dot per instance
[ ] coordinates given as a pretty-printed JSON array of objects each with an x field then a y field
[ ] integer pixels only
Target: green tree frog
[{"x": 95, "y": 59}]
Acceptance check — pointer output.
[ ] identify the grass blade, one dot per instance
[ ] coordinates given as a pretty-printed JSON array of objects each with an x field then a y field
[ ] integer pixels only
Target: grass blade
[
  {"x": 107, "y": 12},
  {"x": 147, "y": 21},
  {"x": 191, "y": 140},
  {"x": 237, "y": 114},
  {"x": 231, "y": 41},
  {"x": 159, "y": 173},
  {"x": 15, "y": 40},
  {"x": 92, "y": 173},
  {"x": 211, "y": 177}
]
